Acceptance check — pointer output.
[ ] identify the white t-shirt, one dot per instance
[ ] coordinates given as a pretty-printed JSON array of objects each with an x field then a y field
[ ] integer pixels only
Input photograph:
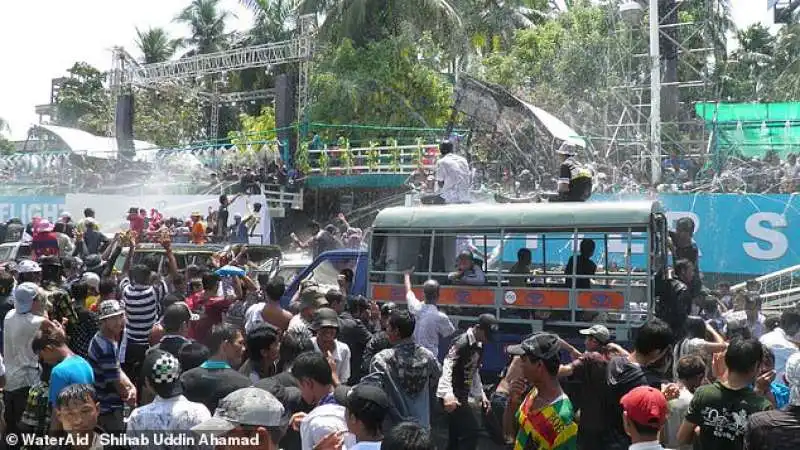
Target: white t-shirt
[
  {"x": 781, "y": 347},
  {"x": 453, "y": 171},
  {"x": 253, "y": 317},
  {"x": 322, "y": 421},
  {"x": 341, "y": 354},
  {"x": 21, "y": 362},
  {"x": 677, "y": 413}
]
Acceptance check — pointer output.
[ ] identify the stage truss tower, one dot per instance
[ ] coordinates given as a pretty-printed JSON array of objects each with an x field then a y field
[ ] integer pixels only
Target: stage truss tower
[
  {"x": 689, "y": 42},
  {"x": 127, "y": 73}
]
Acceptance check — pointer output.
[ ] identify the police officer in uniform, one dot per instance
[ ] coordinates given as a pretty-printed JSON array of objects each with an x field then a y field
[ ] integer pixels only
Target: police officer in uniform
[{"x": 574, "y": 181}]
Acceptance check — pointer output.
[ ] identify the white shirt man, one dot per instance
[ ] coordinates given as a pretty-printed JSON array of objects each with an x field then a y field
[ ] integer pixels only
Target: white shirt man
[
  {"x": 779, "y": 343},
  {"x": 432, "y": 324},
  {"x": 453, "y": 175}
]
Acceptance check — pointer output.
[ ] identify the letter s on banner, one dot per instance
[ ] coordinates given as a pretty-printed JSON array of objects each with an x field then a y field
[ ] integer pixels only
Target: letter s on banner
[{"x": 778, "y": 243}]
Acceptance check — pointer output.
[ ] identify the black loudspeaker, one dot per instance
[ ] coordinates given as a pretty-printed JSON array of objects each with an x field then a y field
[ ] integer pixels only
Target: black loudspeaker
[
  {"x": 285, "y": 111},
  {"x": 124, "y": 125}
]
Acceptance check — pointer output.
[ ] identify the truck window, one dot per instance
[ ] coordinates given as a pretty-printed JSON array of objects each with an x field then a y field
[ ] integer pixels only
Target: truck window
[
  {"x": 392, "y": 253},
  {"x": 5, "y": 253},
  {"x": 326, "y": 274},
  {"x": 24, "y": 252}
]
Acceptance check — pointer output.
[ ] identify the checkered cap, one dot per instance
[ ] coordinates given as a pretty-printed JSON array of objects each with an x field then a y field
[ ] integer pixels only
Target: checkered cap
[{"x": 163, "y": 370}]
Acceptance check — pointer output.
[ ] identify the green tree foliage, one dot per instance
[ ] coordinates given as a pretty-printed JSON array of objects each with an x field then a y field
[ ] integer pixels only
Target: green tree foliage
[
  {"x": 254, "y": 129},
  {"x": 165, "y": 118},
  {"x": 365, "y": 21},
  {"x": 206, "y": 22},
  {"x": 155, "y": 45},
  {"x": 83, "y": 102},
  {"x": 384, "y": 83},
  {"x": 764, "y": 67},
  {"x": 556, "y": 64}
]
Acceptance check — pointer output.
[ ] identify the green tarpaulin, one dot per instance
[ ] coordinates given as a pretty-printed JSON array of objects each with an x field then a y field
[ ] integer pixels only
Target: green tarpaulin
[{"x": 752, "y": 129}]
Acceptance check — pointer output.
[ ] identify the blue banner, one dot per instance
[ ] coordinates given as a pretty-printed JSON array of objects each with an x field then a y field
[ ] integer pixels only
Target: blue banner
[
  {"x": 748, "y": 234},
  {"x": 26, "y": 208},
  {"x": 741, "y": 234}
]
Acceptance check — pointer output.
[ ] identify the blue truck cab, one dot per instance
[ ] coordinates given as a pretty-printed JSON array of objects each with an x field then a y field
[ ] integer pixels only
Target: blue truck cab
[{"x": 325, "y": 270}]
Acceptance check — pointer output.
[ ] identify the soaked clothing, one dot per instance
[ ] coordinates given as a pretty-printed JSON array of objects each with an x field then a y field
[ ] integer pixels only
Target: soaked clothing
[
  {"x": 674, "y": 304},
  {"x": 773, "y": 430},
  {"x": 580, "y": 181},
  {"x": 356, "y": 335},
  {"x": 551, "y": 427},
  {"x": 406, "y": 372},
  {"x": 604, "y": 382},
  {"x": 60, "y": 307},
  {"x": 722, "y": 415},
  {"x": 461, "y": 370},
  {"x": 379, "y": 342}
]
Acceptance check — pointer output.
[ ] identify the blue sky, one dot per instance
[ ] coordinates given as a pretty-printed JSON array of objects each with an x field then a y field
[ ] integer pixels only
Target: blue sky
[{"x": 40, "y": 39}]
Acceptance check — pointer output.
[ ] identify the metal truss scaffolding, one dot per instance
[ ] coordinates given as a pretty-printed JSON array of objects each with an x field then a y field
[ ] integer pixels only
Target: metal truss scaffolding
[
  {"x": 126, "y": 73},
  {"x": 687, "y": 51}
]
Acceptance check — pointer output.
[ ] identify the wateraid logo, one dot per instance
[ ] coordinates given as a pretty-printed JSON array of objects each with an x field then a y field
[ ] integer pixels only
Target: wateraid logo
[
  {"x": 535, "y": 298},
  {"x": 462, "y": 297},
  {"x": 600, "y": 299}
]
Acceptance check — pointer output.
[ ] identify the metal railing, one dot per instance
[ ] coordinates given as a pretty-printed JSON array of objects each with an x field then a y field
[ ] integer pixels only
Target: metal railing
[
  {"x": 779, "y": 290},
  {"x": 398, "y": 159}
]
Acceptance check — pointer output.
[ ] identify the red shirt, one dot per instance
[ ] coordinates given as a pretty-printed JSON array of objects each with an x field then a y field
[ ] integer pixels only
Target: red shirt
[
  {"x": 210, "y": 310},
  {"x": 137, "y": 223},
  {"x": 44, "y": 244}
]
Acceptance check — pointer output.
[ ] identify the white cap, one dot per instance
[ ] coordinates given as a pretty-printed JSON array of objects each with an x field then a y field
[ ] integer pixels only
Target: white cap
[
  {"x": 92, "y": 279},
  {"x": 28, "y": 266}
]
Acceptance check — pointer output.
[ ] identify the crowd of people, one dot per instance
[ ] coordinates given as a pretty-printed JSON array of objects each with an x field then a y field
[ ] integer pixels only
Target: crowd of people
[{"x": 125, "y": 360}]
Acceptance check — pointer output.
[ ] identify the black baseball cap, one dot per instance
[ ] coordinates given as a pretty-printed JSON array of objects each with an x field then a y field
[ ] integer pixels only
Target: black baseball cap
[
  {"x": 540, "y": 345},
  {"x": 363, "y": 399},
  {"x": 488, "y": 323}
]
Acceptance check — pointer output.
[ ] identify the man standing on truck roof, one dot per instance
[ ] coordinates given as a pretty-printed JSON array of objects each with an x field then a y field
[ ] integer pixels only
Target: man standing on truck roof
[
  {"x": 432, "y": 325},
  {"x": 452, "y": 178},
  {"x": 574, "y": 180}
]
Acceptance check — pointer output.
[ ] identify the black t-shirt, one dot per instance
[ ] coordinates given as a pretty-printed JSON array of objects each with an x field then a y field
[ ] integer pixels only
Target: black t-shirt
[
  {"x": 722, "y": 415},
  {"x": 172, "y": 344},
  {"x": 209, "y": 386},
  {"x": 585, "y": 267},
  {"x": 325, "y": 241},
  {"x": 773, "y": 430},
  {"x": 284, "y": 387},
  {"x": 355, "y": 334},
  {"x": 222, "y": 219},
  {"x": 603, "y": 383}
]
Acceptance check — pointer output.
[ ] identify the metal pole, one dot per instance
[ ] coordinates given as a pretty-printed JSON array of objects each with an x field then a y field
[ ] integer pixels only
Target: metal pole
[{"x": 655, "y": 95}]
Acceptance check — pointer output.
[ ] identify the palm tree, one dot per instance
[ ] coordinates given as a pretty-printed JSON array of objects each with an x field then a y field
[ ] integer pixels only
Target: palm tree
[
  {"x": 207, "y": 26},
  {"x": 365, "y": 21},
  {"x": 155, "y": 45},
  {"x": 272, "y": 21}
]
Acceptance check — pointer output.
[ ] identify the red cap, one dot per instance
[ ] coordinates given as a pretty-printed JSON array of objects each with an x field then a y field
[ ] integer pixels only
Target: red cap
[{"x": 646, "y": 406}]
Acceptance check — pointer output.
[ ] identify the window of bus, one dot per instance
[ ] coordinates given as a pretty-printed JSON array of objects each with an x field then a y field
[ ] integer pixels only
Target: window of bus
[{"x": 392, "y": 252}]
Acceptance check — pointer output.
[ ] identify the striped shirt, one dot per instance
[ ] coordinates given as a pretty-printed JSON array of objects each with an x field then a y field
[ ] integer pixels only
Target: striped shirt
[
  {"x": 104, "y": 358},
  {"x": 141, "y": 311},
  {"x": 551, "y": 427}
]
